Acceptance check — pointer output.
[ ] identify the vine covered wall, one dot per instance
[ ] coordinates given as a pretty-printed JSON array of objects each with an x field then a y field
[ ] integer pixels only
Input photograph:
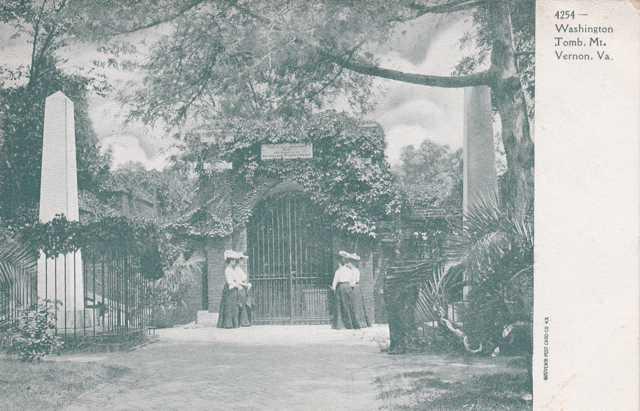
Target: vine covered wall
[{"x": 348, "y": 176}]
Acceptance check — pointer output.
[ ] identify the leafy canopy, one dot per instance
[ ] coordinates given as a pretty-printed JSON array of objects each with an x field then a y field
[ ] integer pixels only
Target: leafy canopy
[
  {"x": 348, "y": 177},
  {"x": 283, "y": 57},
  {"x": 431, "y": 175},
  {"x": 22, "y": 117}
]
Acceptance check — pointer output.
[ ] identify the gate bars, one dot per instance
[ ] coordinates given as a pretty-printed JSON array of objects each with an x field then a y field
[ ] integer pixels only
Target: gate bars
[
  {"x": 99, "y": 293},
  {"x": 290, "y": 261}
]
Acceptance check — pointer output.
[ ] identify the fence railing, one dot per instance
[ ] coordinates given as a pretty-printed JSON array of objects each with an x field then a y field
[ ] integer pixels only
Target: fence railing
[
  {"x": 98, "y": 293},
  {"x": 17, "y": 292}
]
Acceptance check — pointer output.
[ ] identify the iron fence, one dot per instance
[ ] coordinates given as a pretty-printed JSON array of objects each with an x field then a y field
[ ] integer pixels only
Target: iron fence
[
  {"x": 17, "y": 291},
  {"x": 97, "y": 293}
]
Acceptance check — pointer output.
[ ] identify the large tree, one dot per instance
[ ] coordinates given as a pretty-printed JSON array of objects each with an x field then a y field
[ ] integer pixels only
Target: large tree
[
  {"x": 45, "y": 26},
  {"x": 21, "y": 146},
  {"x": 431, "y": 175},
  {"x": 286, "y": 58}
]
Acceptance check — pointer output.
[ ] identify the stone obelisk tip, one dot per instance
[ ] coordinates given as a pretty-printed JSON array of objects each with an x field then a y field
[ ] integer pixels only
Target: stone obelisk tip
[{"x": 59, "y": 181}]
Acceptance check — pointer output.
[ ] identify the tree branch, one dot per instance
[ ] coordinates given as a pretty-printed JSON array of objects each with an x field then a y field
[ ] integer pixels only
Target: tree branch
[
  {"x": 448, "y": 7},
  {"x": 36, "y": 33},
  {"x": 477, "y": 79},
  {"x": 166, "y": 19},
  {"x": 482, "y": 78}
]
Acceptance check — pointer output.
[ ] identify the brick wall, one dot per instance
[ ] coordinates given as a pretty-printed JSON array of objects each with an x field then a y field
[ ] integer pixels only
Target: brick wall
[
  {"x": 193, "y": 300},
  {"x": 367, "y": 284},
  {"x": 215, "y": 272}
]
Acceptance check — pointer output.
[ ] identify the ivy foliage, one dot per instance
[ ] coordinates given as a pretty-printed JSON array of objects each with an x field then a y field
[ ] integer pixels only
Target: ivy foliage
[
  {"x": 204, "y": 223},
  {"x": 348, "y": 177},
  {"x": 111, "y": 234}
]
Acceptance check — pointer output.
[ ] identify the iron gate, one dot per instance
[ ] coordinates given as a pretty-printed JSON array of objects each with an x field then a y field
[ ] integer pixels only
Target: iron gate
[{"x": 290, "y": 261}]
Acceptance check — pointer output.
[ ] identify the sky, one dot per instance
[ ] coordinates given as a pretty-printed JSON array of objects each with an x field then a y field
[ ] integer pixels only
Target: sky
[
  {"x": 411, "y": 113},
  {"x": 408, "y": 113}
]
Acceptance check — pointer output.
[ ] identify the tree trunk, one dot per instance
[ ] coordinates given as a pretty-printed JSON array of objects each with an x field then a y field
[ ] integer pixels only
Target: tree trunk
[{"x": 508, "y": 96}]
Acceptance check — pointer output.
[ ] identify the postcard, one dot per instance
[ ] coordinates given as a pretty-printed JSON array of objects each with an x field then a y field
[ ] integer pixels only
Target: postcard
[{"x": 328, "y": 205}]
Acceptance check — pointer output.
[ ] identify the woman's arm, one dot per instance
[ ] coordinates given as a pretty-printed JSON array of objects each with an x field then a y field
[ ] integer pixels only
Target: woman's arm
[
  {"x": 243, "y": 278},
  {"x": 230, "y": 277},
  {"x": 336, "y": 278},
  {"x": 355, "y": 276}
]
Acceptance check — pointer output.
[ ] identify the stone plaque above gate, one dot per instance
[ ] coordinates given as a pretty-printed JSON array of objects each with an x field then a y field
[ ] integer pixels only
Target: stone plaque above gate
[{"x": 286, "y": 151}]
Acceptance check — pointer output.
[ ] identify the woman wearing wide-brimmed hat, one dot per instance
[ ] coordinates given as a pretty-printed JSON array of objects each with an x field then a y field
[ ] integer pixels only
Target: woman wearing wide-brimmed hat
[
  {"x": 235, "y": 306},
  {"x": 348, "y": 307}
]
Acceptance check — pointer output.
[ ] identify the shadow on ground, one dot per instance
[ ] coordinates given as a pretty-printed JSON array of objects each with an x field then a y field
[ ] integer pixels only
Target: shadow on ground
[
  {"x": 265, "y": 368},
  {"x": 51, "y": 385},
  {"x": 453, "y": 383}
]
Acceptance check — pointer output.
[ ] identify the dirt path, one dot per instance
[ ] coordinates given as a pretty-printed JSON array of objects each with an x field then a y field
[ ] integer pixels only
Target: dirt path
[
  {"x": 266, "y": 368},
  {"x": 274, "y": 368}
]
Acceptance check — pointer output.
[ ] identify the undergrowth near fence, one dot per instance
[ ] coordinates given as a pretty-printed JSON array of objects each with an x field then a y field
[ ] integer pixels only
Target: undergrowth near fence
[{"x": 32, "y": 336}]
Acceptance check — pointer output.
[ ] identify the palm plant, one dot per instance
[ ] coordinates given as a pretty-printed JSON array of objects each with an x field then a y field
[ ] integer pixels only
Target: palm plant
[
  {"x": 433, "y": 302},
  {"x": 15, "y": 261},
  {"x": 494, "y": 248},
  {"x": 15, "y": 258},
  {"x": 171, "y": 291}
]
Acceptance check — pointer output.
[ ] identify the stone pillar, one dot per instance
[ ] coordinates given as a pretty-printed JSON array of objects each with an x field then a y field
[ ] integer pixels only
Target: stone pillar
[
  {"x": 480, "y": 181},
  {"x": 215, "y": 270},
  {"x": 367, "y": 284},
  {"x": 60, "y": 278}
]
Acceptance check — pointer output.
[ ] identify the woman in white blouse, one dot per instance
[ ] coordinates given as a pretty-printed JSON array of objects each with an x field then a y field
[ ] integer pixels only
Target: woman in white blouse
[
  {"x": 348, "y": 308},
  {"x": 235, "y": 306}
]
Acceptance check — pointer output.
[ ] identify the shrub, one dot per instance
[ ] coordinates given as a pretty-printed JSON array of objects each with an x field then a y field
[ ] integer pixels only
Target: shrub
[
  {"x": 492, "y": 252},
  {"x": 170, "y": 294},
  {"x": 32, "y": 335},
  {"x": 497, "y": 255}
]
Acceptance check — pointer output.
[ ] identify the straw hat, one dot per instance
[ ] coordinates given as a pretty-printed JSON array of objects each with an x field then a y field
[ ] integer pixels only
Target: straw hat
[
  {"x": 349, "y": 256},
  {"x": 233, "y": 255}
]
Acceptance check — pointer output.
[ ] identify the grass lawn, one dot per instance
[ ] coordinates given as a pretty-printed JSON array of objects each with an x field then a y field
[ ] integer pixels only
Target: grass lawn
[
  {"x": 49, "y": 385},
  {"x": 457, "y": 384},
  {"x": 270, "y": 368}
]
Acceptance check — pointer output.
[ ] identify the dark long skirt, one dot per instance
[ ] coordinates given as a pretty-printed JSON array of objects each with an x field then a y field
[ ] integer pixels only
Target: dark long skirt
[
  {"x": 348, "y": 308},
  {"x": 360, "y": 308},
  {"x": 235, "y": 308}
]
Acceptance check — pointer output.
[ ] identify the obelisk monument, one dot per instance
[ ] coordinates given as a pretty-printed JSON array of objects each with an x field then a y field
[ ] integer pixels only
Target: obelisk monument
[
  {"x": 480, "y": 182},
  {"x": 60, "y": 278}
]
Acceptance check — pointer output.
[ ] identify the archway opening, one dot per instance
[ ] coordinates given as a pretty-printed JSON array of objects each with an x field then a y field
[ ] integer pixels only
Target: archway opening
[{"x": 290, "y": 248}]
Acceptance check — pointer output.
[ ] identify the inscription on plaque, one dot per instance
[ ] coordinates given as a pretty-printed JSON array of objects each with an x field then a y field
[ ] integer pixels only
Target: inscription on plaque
[{"x": 286, "y": 151}]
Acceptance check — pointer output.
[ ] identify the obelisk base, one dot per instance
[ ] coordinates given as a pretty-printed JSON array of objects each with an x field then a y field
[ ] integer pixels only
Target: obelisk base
[{"x": 60, "y": 281}]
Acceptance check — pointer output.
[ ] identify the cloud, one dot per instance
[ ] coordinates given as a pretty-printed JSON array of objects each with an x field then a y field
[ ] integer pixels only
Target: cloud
[
  {"x": 108, "y": 117},
  {"x": 400, "y": 136},
  {"x": 408, "y": 113},
  {"x": 127, "y": 148}
]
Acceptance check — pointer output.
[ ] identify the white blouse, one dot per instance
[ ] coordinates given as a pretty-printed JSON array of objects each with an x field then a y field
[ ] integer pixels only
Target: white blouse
[
  {"x": 235, "y": 276},
  {"x": 356, "y": 274},
  {"x": 346, "y": 274}
]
